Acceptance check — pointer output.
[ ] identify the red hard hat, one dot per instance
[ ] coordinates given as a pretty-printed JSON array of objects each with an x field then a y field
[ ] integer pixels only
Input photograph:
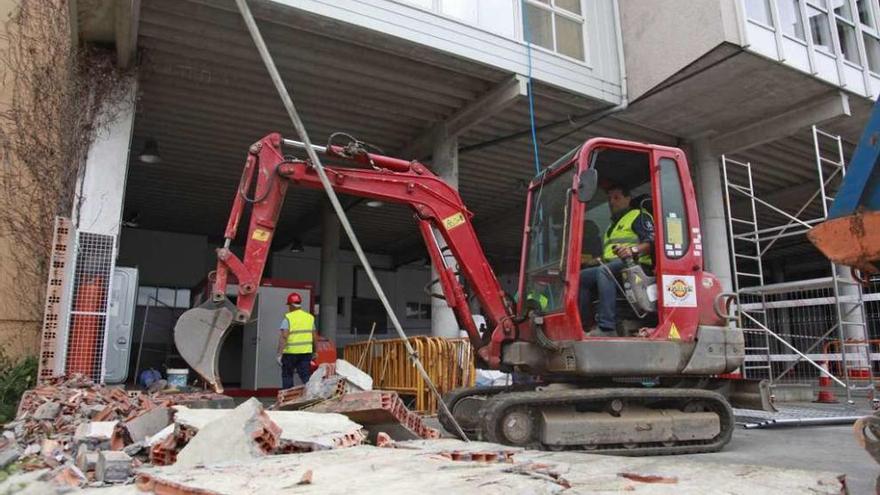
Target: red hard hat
[{"x": 294, "y": 298}]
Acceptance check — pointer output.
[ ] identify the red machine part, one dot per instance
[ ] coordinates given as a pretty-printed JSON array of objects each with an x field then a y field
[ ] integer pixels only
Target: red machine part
[
  {"x": 438, "y": 209},
  {"x": 437, "y": 206}
]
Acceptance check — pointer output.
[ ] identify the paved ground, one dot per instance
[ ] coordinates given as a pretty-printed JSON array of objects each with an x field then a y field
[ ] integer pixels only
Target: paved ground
[{"x": 825, "y": 448}]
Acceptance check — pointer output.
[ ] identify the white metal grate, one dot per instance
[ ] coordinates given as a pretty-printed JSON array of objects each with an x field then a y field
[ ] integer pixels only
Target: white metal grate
[
  {"x": 89, "y": 303},
  {"x": 54, "y": 314}
]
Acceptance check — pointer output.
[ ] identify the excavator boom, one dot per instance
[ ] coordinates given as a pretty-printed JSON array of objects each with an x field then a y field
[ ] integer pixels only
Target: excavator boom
[{"x": 437, "y": 207}]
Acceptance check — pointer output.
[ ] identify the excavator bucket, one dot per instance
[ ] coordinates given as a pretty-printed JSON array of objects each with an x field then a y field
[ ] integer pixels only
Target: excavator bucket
[
  {"x": 853, "y": 240},
  {"x": 199, "y": 334}
]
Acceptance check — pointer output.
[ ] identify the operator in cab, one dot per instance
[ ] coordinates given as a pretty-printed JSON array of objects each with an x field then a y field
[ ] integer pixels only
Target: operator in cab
[
  {"x": 296, "y": 344},
  {"x": 630, "y": 235}
]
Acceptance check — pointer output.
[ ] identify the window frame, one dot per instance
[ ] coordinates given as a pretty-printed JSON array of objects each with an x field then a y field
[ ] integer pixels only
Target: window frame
[{"x": 554, "y": 10}]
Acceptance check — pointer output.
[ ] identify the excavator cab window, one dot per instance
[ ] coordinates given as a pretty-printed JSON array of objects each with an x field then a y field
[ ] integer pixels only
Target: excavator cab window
[{"x": 547, "y": 248}]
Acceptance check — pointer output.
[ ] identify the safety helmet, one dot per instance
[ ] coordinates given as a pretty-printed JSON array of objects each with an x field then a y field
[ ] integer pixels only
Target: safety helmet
[{"x": 294, "y": 298}]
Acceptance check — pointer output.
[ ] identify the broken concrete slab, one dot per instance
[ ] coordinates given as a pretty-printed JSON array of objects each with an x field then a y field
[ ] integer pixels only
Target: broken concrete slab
[
  {"x": 354, "y": 375},
  {"x": 9, "y": 454},
  {"x": 86, "y": 460},
  {"x": 113, "y": 467},
  {"x": 379, "y": 411},
  {"x": 419, "y": 467},
  {"x": 148, "y": 423},
  {"x": 48, "y": 411},
  {"x": 94, "y": 431},
  {"x": 244, "y": 433},
  {"x": 300, "y": 431}
]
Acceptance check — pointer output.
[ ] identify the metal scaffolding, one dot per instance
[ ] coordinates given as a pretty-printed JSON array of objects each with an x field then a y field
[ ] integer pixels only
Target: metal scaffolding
[{"x": 797, "y": 332}]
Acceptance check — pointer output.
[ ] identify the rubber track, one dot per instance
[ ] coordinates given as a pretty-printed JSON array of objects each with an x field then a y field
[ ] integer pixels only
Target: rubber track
[
  {"x": 495, "y": 408},
  {"x": 451, "y": 398}
]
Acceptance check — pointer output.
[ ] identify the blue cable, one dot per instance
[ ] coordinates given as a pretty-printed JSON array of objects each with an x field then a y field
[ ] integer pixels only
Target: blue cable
[{"x": 529, "y": 87}]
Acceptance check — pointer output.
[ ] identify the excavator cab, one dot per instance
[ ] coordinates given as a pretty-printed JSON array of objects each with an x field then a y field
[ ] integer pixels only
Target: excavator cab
[{"x": 568, "y": 215}]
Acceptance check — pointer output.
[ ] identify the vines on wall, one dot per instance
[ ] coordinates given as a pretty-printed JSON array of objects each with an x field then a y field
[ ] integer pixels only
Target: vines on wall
[{"x": 54, "y": 99}]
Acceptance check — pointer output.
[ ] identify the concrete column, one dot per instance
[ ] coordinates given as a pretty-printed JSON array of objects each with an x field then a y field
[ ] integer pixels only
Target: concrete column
[
  {"x": 100, "y": 193},
  {"x": 444, "y": 164},
  {"x": 329, "y": 283},
  {"x": 710, "y": 198}
]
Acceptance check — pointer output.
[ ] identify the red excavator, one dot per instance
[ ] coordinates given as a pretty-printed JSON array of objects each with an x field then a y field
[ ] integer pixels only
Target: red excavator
[{"x": 653, "y": 388}]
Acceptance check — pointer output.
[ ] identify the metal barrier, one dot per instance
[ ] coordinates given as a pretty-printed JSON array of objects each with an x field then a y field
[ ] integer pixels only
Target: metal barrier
[
  {"x": 806, "y": 337},
  {"x": 449, "y": 363}
]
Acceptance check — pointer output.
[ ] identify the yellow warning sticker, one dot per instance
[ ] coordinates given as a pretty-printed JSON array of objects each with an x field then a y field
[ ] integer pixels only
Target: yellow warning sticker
[
  {"x": 673, "y": 333},
  {"x": 453, "y": 221},
  {"x": 261, "y": 235}
]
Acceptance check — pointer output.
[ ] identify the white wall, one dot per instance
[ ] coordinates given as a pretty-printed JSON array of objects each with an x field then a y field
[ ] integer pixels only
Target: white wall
[
  {"x": 598, "y": 77},
  {"x": 660, "y": 41},
  {"x": 97, "y": 206}
]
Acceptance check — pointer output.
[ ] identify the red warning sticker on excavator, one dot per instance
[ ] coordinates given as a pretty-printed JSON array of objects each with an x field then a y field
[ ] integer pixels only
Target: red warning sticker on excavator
[
  {"x": 261, "y": 235},
  {"x": 453, "y": 221}
]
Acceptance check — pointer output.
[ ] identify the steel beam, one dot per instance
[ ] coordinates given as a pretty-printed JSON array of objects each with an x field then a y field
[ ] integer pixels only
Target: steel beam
[{"x": 501, "y": 96}]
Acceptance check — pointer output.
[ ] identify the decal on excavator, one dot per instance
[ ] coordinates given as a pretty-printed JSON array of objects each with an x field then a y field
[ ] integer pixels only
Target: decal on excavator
[
  {"x": 679, "y": 291},
  {"x": 261, "y": 235},
  {"x": 673, "y": 333},
  {"x": 453, "y": 221}
]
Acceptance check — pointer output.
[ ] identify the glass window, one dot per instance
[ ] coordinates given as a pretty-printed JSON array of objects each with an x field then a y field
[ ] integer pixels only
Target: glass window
[
  {"x": 556, "y": 25},
  {"x": 841, "y": 9},
  {"x": 872, "y": 50},
  {"x": 569, "y": 37},
  {"x": 675, "y": 224},
  {"x": 866, "y": 15},
  {"x": 759, "y": 10},
  {"x": 848, "y": 44},
  {"x": 548, "y": 241},
  {"x": 539, "y": 26},
  {"x": 498, "y": 16},
  {"x": 819, "y": 29},
  {"x": 570, "y": 5},
  {"x": 790, "y": 19}
]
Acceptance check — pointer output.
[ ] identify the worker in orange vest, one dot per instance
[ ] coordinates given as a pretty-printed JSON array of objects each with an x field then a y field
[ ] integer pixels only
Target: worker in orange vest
[{"x": 296, "y": 344}]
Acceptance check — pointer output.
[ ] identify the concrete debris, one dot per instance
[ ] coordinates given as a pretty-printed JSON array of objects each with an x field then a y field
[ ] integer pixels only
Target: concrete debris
[
  {"x": 379, "y": 411},
  {"x": 148, "y": 423},
  {"x": 354, "y": 375},
  {"x": 86, "y": 460},
  {"x": 94, "y": 432},
  {"x": 62, "y": 416},
  {"x": 113, "y": 467},
  {"x": 9, "y": 453},
  {"x": 301, "y": 431},
  {"x": 345, "y": 389},
  {"x": 244, "y": 433},
  {"x": 416, "y": 467},
  {"x": 47, "y": 411}
]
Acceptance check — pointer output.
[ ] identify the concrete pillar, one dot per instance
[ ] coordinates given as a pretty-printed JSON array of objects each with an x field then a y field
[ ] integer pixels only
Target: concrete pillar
[
  {"x": 850, "y": 312},
  {"x": 710, "y": 199},
  {"x": 444, "y": 164},
  {"x": 329, "y": 283},
  {"x": 100, "y": 193}
]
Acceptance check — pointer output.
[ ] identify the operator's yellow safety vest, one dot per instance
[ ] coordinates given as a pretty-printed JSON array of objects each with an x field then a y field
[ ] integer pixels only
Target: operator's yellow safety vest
[
  {"x": 622, "y": 234},
  {"x": 541, "y": 299},
  {"x": 301, "y": 338}
]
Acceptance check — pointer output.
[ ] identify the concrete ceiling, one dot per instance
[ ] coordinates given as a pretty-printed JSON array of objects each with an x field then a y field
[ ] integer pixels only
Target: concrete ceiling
[{"x": 205, "y": 97}]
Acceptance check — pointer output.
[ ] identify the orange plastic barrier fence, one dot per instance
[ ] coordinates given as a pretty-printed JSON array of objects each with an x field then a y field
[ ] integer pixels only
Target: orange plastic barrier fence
[{"x": 448, "y": 362}]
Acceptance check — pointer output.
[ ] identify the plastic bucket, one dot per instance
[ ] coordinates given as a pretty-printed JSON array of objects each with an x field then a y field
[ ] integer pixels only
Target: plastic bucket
[{"x": 177, "y": 377}]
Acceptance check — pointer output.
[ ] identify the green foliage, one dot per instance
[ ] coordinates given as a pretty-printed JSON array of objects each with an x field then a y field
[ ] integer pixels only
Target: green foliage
[{"x": 15, "y": 378}]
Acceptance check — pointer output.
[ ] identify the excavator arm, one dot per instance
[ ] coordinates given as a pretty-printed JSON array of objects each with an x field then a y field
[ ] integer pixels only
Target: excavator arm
[{"x": 268, "y": 173}]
